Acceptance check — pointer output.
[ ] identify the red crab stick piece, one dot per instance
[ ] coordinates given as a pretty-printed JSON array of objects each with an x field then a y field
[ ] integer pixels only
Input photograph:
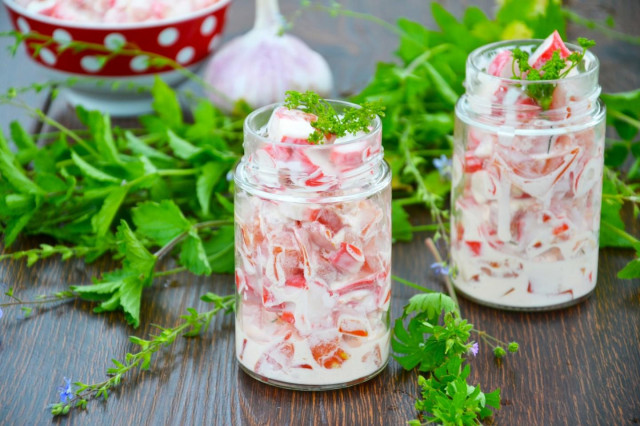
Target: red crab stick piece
[
  {"x": 544, "y": 52},
  {"x": 501, "y": 65},
  {"x": 290, "y": 126},
  {"x": 348, "y": 259}
]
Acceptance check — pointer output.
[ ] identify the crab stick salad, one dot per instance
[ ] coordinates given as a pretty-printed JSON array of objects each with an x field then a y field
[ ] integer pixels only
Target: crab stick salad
[
  {"x": 527, "y": 175},
  {"x": 114, "y": 11},
  {"x": 313, "y": 253}
]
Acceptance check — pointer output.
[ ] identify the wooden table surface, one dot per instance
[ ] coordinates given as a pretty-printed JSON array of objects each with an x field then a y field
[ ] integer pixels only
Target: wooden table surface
[{"x": 577, "y": 366}]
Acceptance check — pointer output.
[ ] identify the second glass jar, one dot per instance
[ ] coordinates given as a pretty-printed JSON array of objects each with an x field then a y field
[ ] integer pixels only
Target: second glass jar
[{"x": 527, "y": 185}]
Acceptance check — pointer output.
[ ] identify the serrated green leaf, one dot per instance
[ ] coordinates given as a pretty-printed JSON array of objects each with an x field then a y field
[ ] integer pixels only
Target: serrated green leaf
[
  {"x": 136, "y": 257},
  {"x": 431, "y": 304},
  {"x": 400, "y": 225},
  {"x": 181, "y": 148},
  {"x": 90, "y": 171},
  {"x": 16, "y": 176},
  {"x": 138, "y": 146},
  {"x": 101, "y": 221},
  {"x": 99, "y": 125},
  {"x": 14, "y": 226},
  {"x": 165, "y": 104},
  {"x": 219, "y": 249},
  {"x": 631, "y": 270},
  {"x": 193, "y": 255},
  {"x": 160, "y": 222},
  {"x": 209, "y": 176}
]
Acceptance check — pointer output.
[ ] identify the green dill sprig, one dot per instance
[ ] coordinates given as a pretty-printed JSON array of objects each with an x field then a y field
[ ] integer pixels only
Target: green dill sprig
[
  {"x": 78, "y": 395},
  {"x": 554, "y": 69},
  {"x": 329, "y": 122}
]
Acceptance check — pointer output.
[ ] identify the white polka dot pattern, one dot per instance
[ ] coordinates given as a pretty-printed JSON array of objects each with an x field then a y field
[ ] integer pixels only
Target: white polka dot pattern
[
  {"x": 168, "y": 36},
  {"x": 208, "y": 26},
  {"x": 114, "y": 41},
  {"x": 47, "y": 56},
  {"x": 185, "y": 55},
  {"x": 62, "y": 37},
  {"x": 139, "y": 63},
  {"x": 90, "y": 63},
  {"x": 23, "y": 25}
]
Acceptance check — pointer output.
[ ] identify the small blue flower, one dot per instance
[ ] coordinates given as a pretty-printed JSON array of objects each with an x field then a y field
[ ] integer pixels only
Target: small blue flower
[
  {"x": 473, "y": 350},
  {"x": 439, "y": 268},
  {"x": 443, "y": 165},
  {"x": 0, "y": 312},
  {"x": 66, "y": 394}
]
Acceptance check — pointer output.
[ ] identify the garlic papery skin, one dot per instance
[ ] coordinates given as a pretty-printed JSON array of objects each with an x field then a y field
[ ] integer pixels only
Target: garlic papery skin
[{"x": 261, "y": 65}]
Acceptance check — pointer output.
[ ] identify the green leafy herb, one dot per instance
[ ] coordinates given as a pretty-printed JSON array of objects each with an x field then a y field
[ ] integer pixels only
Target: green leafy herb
[
  {"x": 554, "y": 69},
  {"x": 352, "y": 120}
]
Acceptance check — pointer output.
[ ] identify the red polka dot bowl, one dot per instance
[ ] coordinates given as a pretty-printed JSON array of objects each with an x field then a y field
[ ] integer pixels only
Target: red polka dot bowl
[{"x": 129, "y": 54}]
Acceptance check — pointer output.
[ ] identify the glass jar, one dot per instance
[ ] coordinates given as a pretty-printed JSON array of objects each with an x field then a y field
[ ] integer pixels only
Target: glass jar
[
  {"x": 313, "y": 258},
  {"x": 526, "y": 186}
]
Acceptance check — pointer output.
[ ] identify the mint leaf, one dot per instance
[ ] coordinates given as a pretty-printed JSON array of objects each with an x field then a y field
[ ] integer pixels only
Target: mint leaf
[
  {"x": 219, "y": 249},
  {"x": 138, "y": 146},
  {"x": 631, "y": 271},
  {"x": 209, "y": 177},
  {"x": 14, "y": 226},
  {"x": 100, "y": 127},
  {"x": 623, "y": 112},
  {"x": 101, "y": 221},
  {"x": 400, "y": 225},
  {"x": 136, "y": 257},
  {"x": 430, "y": 304},
  {"x": 16, "y": 176},
  {"x": 90, "y": 171},
  {"x": 165, "y": 104},
  {"x": 193, "y": 255},
  {"x": 181, "y": 148},
  {"x": 160, "y": 222}
]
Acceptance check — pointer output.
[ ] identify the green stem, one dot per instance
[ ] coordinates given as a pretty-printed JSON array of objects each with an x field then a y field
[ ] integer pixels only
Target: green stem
[
  {"x": 621, "y": 233},
  {"x": 422, "y": 228},
  {"x": 624, "y": 117},
  {"x": 410, "y": 284},
  {"x": 603, "y": 28}
]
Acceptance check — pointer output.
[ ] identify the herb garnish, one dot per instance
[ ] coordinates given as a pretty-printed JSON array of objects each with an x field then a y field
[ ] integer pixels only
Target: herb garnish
[
  {"x": 352, "y": 120},
  {"x": 554, "y": 69}
]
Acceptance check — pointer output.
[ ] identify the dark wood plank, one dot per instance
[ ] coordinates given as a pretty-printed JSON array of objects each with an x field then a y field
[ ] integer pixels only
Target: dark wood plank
[{"x": 580, "y": 365}]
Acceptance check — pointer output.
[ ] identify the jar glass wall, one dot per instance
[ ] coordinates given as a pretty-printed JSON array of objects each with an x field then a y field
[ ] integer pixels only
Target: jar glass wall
[
  {"x": 527, "y": 185},
  {"x": 313, "y": 258}
]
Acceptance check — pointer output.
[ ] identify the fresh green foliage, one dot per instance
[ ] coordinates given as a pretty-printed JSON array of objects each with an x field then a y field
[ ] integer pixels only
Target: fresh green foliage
[
  {"x": 329, "y": 121},
  {"x": 447, "y": 398},
  {"x": 83, "y": 183},
  {"x": 192, "y": 325},
  {"x": 554, "y": 69},
  {"x": 436, "y": 340}
]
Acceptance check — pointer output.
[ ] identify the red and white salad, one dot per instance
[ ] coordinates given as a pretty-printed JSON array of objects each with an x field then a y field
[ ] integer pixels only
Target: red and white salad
[{"x": 527, "y": 182}]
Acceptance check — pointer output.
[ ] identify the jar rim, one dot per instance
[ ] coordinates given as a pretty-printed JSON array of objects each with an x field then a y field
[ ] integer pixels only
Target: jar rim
[
  {"x": 376, "y": 123},
  {"x": 475, "y": 56}
]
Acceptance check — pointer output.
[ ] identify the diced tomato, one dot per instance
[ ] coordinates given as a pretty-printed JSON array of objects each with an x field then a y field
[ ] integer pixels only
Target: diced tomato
[
  {"x": 560, "y": 229},
  {"x": 244, "y": 346},
  {"x": 305, "y": 366},
  {"x": 349, "y": 258},
  {"x": 288, "y": 317},
  {"x": 353, "y": 326},
  {"x": 472, "y": 163},
  {"x": 328, "y": 218},
  {"x": 475, "y": 247},
  {"x": 329, "y": 355},
  {"x": 297, "y": 280}
]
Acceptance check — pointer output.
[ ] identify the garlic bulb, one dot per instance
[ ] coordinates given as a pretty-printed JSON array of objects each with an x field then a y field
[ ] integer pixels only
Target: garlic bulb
[{"x": 262, "y": 64}]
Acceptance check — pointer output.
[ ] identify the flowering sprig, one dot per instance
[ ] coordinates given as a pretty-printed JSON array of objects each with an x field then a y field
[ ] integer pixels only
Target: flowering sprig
[
  {"x": 78, "y": 395},
  {"x": 496, "y": 344},
  {"x": 443, "y": 165}
]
